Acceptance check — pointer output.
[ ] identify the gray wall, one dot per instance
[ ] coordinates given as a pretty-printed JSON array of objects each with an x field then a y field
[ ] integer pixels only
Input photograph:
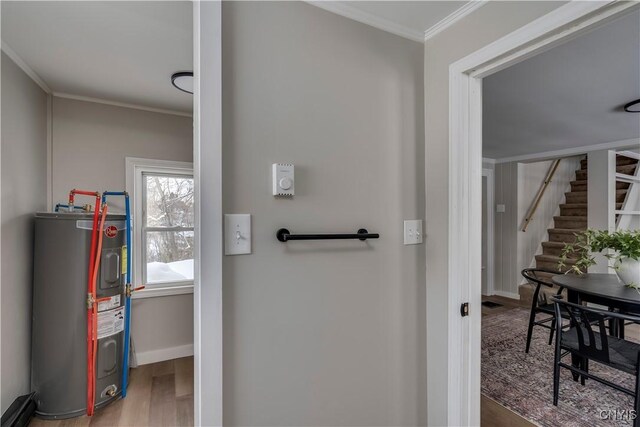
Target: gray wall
[
  {"x": 322, "y": 333},
  {"x": 24, "y": 191},
  {"x": 90, "y": 143},
  {"x": 490, "y": 22}
]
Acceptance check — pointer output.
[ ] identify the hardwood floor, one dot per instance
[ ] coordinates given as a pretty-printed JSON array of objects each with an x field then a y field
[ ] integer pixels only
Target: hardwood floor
[
  {"x": 492, "y": 414},
  {"x": 160, "y": 394}
]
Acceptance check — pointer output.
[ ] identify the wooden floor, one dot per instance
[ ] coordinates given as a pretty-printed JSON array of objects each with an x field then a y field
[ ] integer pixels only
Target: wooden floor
[
  {"x": 492, "y": 414},
  {"x": 160, "y": 394}
]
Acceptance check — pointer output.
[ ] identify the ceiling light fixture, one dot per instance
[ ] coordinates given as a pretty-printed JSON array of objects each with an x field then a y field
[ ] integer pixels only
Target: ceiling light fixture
[
  {"x": 183, "y": 81},
  {"x": 633, "y": 107}
]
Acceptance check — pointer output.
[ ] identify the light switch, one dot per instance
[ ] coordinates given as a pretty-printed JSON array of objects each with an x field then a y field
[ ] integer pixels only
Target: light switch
[
  {"x": 500, "y": 208},
  {"x": 413, "y": 232},
  {"x": 237, "y": 234}
]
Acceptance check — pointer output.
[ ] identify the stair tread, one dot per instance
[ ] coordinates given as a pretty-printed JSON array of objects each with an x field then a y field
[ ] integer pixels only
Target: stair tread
[
  {"x": 574, "y": 205},
  {"x": 553, "y": 245},
  {"x": 625, "y": 168},
  {"x": 579, "y": 181},
  {"x": 571, "y": 218},
  {"x": 620, "y": 161},
  {"x": 584, "y": 192},
  {"x": 563, "y": 230},
  {"x": 554, "y": 258}
]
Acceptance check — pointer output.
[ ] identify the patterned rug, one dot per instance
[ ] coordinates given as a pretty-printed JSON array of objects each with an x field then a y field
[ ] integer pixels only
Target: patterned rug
[{"x": 524, "y": 382}]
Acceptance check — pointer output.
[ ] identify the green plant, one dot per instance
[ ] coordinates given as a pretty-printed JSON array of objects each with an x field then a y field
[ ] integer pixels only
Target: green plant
[{"x": 623, "y": 244}]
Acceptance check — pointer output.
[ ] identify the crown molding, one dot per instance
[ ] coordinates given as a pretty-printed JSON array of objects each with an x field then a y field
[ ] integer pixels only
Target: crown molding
[
  {"x": 369, "y": 19},
  {"x": 453, "y": 18},
  {"x": 121, "y": 104},
  {"x": 24, "y": 67}
]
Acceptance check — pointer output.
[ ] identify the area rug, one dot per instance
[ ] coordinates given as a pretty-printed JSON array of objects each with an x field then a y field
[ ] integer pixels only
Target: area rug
[{"x": 523, "y": 382}]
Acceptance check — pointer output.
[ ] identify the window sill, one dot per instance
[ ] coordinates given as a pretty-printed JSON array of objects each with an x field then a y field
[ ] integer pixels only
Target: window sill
[{"x": 162, "y": 291}]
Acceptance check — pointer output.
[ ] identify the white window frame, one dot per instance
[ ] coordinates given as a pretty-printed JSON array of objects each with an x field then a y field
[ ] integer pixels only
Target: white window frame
[{"x": 135, "y": 170}]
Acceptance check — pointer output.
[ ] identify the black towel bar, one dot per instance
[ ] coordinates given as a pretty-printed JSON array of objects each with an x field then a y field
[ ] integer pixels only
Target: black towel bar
[{"x": 284, "y": 235}]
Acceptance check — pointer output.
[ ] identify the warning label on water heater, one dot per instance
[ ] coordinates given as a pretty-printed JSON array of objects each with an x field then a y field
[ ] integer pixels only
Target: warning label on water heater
[
  {"x": 110, "y": 303},
  {"x": 110, "y": 322}
]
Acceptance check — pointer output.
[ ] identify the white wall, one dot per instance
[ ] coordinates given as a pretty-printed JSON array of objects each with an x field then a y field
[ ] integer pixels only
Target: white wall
[
  {"x": 90, "y": 143},
  {"x": 322, "y": 333},
  {"x": 530, "y": 178},
  {"x": 24, "y": 191},
  {"x": 506, "y": 229},
  {"x": 487, "y": 24}
]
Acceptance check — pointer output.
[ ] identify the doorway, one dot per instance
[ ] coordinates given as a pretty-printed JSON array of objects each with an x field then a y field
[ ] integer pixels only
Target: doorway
[{"x": 465, "y": 190}]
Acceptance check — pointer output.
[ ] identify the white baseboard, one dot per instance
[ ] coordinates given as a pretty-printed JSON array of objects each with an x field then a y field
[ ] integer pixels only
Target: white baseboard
[
  {"x": 507, "y": 294},
  {"x": 153, "y": 356}
]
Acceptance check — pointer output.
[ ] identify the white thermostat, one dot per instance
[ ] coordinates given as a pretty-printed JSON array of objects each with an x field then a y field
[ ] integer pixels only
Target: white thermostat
[{"x": 283, "y": 181}]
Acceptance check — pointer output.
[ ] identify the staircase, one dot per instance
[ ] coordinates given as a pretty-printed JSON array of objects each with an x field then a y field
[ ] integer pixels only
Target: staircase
[{"x": 573, "y": 219}]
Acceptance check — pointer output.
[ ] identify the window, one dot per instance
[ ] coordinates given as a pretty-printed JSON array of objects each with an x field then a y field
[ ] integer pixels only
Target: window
[{"x": 162, "y": 197}]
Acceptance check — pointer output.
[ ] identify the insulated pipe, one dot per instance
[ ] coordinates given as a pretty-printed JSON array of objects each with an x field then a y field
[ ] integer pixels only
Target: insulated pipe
[
  {"x": 128, "y": 290},
  {"x": 92, "y": 336},
  {"x": 60, "y": 205},
  {"x": 90, "y": 295}
]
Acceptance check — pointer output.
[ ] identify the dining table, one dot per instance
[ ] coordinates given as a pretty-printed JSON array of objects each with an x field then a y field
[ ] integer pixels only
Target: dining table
[
  {"x": 602, "y": 289},
  {"x": 599, "y": 288}
]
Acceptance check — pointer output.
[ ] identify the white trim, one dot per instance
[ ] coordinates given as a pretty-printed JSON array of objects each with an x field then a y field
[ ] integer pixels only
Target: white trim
[
  {"x": 465, "y": 157},
  {"x": 452, "y": 18},
  {"x": 134, "y": 168},
  {"x": 207, "y": 158},
  {"x": 490, "y": 213},
  {"x": 511, "y": 295},
  {"x": 154, "y": 356},
  {"x": 368, "y": 19},
  {"x": 163, "y": 291},
  {"x": 49, "y": 152},
  {"x": 24, "y": 67},
  {"x": 627, "y": 178},
  {"x": 121, "y": 104},
  {"x": 568, "y": 152},
  {"x": 489, "y": 161}
]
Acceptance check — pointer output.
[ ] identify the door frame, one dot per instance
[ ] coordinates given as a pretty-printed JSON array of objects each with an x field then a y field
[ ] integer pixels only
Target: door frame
[
  {"x": 490, "y": 213},
  {"x": 465, "y": 191},
  {"x": 207, "y": 174}
]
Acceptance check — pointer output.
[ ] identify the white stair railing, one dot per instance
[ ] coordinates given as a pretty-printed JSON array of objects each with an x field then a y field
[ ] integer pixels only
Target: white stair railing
[{"x": 628, "y": 217}]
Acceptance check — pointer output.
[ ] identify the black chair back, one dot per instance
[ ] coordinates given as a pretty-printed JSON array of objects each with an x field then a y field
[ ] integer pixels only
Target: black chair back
[
  {"x": 531, "y": 274},
  {"x": 584, "y": 319}
]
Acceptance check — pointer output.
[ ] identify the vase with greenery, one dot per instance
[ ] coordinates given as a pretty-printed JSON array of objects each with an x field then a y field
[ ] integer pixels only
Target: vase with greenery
[{"x": 623, "y": 247}]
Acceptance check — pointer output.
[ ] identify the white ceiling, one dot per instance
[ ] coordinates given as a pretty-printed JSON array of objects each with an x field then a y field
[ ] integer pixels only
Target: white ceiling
[
  {"x": 112, "y": 50},
  {"x": 410, "y": 19},
  {"x": 570, "y": 96}
]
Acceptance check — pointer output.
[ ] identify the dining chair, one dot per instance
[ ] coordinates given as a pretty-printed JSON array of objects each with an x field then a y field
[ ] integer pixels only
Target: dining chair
[
  {"x": 540, "y": 303},
  {"x": 582, "y": 341}
]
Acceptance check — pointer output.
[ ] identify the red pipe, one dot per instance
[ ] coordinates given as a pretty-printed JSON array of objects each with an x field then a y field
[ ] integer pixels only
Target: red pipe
[
  {"x": 90, "y": 294},
  {"x": 92, "y": 330}
]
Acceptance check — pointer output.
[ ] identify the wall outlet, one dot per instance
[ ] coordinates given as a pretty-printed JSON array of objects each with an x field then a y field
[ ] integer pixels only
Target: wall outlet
[
  {"x": 500, "y": 208},
  {"x": 413, "y": 232},
  {"x": 237, "y": 234}
]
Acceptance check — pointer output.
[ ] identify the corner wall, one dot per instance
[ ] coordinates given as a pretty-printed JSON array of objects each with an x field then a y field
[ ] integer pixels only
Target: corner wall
[
  {"x": 24, "y": 191},
  {"x": 487, "y": 24},
  {"x": 322, "y": 333}
]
